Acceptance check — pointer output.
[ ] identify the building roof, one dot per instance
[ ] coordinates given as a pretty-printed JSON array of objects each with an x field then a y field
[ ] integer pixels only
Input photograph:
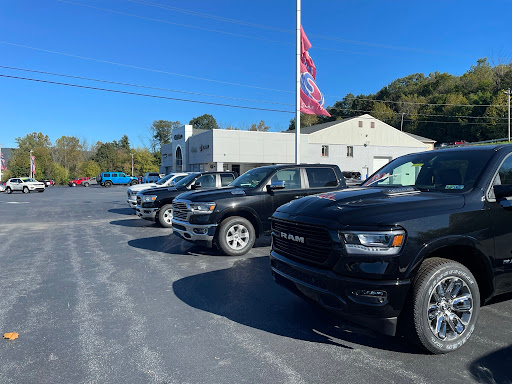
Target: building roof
[
  {"x": 319, "y": 127},
  {"x": 420, "y": 138}
]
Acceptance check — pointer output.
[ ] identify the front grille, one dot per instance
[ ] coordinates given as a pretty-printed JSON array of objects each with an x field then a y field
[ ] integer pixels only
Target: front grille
[
  {"x": 317, "y": 245},
  {"x": 180, "y": 211},
  {"x": 139, "y": 201}
]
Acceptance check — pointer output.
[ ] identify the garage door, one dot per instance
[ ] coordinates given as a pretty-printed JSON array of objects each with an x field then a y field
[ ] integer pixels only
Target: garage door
[{"x": 379, "y": 162}]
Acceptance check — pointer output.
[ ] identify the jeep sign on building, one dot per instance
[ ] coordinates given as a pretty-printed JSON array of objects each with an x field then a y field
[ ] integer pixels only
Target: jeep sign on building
[{"x": 360, "y": 144}]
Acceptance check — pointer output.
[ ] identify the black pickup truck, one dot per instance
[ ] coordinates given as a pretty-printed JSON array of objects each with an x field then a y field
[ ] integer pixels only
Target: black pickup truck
[
  {"x": 156, "y": 204},
  {"x": 233, "y": 217},
  {"x": 417, "y": 248}
]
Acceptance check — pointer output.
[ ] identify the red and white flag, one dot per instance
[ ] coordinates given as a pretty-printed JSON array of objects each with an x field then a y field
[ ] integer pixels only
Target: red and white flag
[
  {"x": 2, "y": 162},
  {"x": 33, "y": 165},
  {"x": 311, "y": 99}
]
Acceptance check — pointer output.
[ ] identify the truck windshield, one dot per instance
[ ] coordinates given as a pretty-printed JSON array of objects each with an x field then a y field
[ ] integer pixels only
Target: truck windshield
[
  {"x": 252, "y": 178},
  {"x": 186, "y": 180},
  {"x": 440, "y": 171},
  {"x": 164, "y": 180}
]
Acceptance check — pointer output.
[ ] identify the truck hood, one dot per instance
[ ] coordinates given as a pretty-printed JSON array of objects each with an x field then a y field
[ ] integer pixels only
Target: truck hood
[
  {"x": 212, "y": 194},
  {"x": 159, "y": 190},
  {"x": 374, "y": 206}
]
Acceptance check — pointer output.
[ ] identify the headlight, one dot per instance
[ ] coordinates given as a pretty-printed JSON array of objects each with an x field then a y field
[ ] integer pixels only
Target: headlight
[
  {"x": 198, "y": 208},
  {"x": 148, "y": 198},
  {"x": 373, "y": 242}
]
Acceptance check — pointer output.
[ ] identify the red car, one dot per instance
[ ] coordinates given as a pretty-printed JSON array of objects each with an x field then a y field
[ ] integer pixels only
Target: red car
[{"x": 74, "y": 183}]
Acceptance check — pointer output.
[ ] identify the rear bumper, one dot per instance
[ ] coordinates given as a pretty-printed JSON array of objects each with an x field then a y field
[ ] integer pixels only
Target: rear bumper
[
  {"x": 374, "y": 304},
  {"x": 200, "y": 234}
]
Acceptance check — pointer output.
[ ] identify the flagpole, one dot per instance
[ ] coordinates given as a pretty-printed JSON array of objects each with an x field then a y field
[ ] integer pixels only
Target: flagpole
[
  {"x": 1, "y": 163},
  {"x": 297, "y": 87}
]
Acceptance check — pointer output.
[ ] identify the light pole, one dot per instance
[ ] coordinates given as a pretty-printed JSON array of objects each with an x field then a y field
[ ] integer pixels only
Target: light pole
[
  {"x": 30, "y": 155},
  {"x": 402, "y": 123},
  {"x": 508, "y": 93},
  {"x": 132, "y": 162}
]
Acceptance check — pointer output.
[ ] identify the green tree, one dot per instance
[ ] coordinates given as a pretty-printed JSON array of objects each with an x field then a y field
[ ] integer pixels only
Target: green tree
[
  {"x": 39, "y": 144},
  {"x": 89, "y": 168},
  {"x": 144, "y": 161},
  {"x": 261, "y": 127},
  {"x": 204, "y": 122},
  {"x": 161, "y": 133},
  {"x": 68, "y": 152}
]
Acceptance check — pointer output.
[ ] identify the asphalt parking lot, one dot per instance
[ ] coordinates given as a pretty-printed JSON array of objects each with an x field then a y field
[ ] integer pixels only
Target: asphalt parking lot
[{"x": 98, "y": 295}]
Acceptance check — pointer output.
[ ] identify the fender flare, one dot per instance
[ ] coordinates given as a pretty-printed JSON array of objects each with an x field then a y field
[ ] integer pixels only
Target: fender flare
[{"x": 245, "y": 211}]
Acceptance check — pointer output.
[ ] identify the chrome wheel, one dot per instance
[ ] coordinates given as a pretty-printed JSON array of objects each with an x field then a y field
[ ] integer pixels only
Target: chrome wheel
[
  {"x": 167, "y": 216},
  {"x": 237, "y": 237},
  {"x": 450, "y": 308}
]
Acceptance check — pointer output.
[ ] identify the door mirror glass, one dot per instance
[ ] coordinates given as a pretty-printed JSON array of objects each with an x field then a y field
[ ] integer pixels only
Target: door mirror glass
[{"x": 276, "y": 185}]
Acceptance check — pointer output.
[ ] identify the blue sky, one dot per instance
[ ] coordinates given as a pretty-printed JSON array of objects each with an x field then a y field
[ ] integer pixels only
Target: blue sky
[{"x": 231, "y": 48}]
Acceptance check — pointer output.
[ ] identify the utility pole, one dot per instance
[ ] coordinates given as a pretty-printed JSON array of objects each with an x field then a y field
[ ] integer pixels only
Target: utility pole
[
  {"x": 30, "y": 155},
  {"x": 508, "y": 93},
  {"x": 132, "y": 162},
  {"x": 297, "y": 86},
  {"x": 402, "y": 123}
]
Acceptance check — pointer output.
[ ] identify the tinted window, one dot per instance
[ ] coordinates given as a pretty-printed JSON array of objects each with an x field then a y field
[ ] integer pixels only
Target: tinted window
[
  {"x": 504, "y": 176},
  {"x": 114, "y": 175},
  {"x": 106, "y": 175},
  {"x": 122, "y": 175},
  {"x": 291, "y": 178},
  {"x": 186, "y": 180},
  {"x": 226, "y": 179},
  {"x": 252, "y": 178},
  {"x": 207, "y": 181},
  {"x": 321, "y": 177},
  {"x": 440, "y": 171}
]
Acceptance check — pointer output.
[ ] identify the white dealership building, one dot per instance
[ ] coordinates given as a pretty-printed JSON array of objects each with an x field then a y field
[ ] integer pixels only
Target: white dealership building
[{"x": 358, "y": 144}]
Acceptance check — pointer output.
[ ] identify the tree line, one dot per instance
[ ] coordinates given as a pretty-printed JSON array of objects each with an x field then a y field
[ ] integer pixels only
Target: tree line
[{"x": 70, "y": 157}]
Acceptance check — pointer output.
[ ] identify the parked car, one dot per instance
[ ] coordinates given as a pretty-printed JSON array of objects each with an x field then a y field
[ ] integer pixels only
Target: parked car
[
  {"x": 25, "y": 185},
  {"x": 2, "y": 187},
  {"x": 415, "y": 250},
  {"x": 91, "y": 181},
  {"x": 77, "y": 181},
  {"x": 156, "y": 204},
  {"x": 167, "y": 181},
  {"x": 151, "y": 177},
  {"x": 233, "y": 217},
  {"x": 48, "y": 182},
  {"x": 107, "y": 179}
]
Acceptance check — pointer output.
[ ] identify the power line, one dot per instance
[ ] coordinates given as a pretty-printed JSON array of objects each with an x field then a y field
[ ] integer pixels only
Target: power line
[
  {"x": 142, "y": 94},
  {"x": 230, "y": 83},
  {"x": 143, "y": 68},
  {"x": 260, "y": 26},
  {"x": 140, "y": 86},
  {"x": 173, "y": 23}
]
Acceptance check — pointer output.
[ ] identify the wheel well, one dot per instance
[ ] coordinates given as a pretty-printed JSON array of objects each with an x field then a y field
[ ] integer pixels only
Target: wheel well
[
  {"x": 245, "y": 215},
  {"x": 472, "y": 259}
]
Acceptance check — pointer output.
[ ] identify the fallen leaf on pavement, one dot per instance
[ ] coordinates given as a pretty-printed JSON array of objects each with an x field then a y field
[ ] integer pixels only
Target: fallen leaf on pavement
[{"x": 11, "y": 335}]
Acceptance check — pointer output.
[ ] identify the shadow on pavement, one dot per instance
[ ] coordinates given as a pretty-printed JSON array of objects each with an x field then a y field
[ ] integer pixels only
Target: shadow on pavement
[
  {"x": 123, "y": 211},
  {"x": 493, "y": 368},
  {"x": 135, "y": 222},
  {"x": 247, "y": 294}
]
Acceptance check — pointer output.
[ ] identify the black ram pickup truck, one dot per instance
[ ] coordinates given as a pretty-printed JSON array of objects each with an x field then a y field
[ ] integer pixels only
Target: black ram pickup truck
[
  {"x": 156, "y": 204},
  {"x": 417, "y": 248},
  {"x": 233, "y": 217}
]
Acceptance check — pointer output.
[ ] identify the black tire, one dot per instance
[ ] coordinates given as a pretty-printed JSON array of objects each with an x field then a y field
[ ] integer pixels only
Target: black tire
[
  {"x": 164, "y": 216},
  {"x": 8, "y": 190},
  {"x": 133, "y": 182},
  {"x": 41, "y": 191},
  {"x": 108, "y": 184},
  {"x": 430, "y": 318},
  {"x": 85, "y": 184},
  {"x": 236, "y": 236},
  {"x": 25, "y": 190}
]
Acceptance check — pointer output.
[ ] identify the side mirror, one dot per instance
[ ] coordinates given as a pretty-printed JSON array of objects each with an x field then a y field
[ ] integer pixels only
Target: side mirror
[
  {"x": 276, "y": 185},
  {"x": 196, "y": 185}
]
